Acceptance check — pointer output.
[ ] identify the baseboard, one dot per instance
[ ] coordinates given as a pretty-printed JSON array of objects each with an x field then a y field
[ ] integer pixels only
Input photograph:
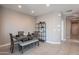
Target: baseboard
[
  {"x": 5, "y": 45},
  {"x": 53, "y": 42},
  {"x": 63, "y": 40},
  {"x": 76, "y": 41}
]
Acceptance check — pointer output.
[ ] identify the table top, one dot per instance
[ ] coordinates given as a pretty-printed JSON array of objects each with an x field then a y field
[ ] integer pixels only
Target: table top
[{"x": 20, "y": 37}]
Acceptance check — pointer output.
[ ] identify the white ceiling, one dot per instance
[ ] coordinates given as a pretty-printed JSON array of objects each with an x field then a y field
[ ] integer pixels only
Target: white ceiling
[{"x": 40, "y": 9}]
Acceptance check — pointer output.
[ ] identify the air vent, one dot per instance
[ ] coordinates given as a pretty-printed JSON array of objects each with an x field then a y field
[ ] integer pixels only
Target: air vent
[{"x": 69, "y": 11}]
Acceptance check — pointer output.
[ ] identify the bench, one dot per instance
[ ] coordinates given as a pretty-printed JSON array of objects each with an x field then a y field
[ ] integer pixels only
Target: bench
[{"x": 22, "y": 44}]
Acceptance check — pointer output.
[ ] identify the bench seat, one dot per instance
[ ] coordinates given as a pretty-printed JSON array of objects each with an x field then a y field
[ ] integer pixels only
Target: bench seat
[
  {"x": 28, "y": 42},
  {"x": 22, "y": 44}
]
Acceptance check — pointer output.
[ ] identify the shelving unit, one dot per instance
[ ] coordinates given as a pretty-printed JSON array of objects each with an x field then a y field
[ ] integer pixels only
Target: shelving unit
[{"x": 41, "y": 28}]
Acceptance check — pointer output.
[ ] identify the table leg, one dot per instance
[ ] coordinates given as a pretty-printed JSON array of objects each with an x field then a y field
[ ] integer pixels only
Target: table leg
[
  {"x": 38, "y": 43},
  {"x": 22, "y": 49}
]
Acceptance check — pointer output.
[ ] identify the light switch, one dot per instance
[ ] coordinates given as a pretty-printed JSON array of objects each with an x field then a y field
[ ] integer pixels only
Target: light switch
[{"x": 58, "y": 25}]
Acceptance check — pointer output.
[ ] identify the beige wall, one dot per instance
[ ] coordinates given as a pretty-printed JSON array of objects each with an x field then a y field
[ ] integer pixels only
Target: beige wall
[
  {"x": 53, "y": 26},
  {"x": 14, "y": 21},
  {"x": 0, "y": 22},
  {"x": 1, "y": 39}
]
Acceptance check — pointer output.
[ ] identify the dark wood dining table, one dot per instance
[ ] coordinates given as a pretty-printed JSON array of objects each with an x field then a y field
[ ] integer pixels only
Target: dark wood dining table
[
  {"x": 20, "y": 38},
  {"x": 22, "y": 42}
]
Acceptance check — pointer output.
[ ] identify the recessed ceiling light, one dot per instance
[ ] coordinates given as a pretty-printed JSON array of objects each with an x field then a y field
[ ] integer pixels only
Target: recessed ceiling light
[
  {"x": 59, "y": 14},
  {"x": 19, "y": 6},
  {"x": 32, "y": 11},
  {"x": 47, "y": 5}
]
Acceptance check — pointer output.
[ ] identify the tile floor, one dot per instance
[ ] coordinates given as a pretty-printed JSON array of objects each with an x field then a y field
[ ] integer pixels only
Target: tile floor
[{"x": 65, "y": 48}]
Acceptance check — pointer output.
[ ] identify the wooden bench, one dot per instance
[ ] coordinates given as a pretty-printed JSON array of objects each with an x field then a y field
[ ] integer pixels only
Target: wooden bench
[{"x": 22, "y": 44}]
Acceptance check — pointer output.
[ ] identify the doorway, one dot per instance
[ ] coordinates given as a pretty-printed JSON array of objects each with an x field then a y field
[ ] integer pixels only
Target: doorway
[{"x": 75, "y": 29}]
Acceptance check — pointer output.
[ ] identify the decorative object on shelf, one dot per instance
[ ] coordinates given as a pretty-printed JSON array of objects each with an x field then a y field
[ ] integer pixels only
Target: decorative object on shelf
[{"x": 41, "y": 29}]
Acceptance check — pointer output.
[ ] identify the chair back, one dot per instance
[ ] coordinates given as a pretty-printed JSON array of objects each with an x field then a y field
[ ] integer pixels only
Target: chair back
[
  {"x": 12, "y": 43},
  {"x": 21, "y": 33},
  {"x": 11, "y": 38}
]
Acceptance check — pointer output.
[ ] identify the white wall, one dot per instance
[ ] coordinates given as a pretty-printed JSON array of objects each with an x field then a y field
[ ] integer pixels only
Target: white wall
[
  {"x": 13, "y": 22},
  {"x": 53, "y": 26},
  {"x": 63, "y": 27},
  {"x": 68, "y": 28}
]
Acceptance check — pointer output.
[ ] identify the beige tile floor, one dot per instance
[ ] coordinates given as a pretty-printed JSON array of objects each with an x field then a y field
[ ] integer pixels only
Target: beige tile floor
[{"x": 65, "y": 48}]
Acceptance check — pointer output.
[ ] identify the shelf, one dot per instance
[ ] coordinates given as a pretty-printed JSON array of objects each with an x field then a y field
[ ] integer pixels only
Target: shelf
[{"x": 41, "y": 27}]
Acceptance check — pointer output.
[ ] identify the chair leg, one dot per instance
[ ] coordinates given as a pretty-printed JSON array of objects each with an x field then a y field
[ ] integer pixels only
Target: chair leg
[
  {"x": 19, "y": 47},
  {"x": 11, "y": 49},
  {"x": 22, "y": 49},
  {"x": 35, "y": 44}
]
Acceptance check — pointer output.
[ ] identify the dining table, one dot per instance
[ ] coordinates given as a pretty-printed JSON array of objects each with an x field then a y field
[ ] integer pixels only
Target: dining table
[
  {"x": 23, "y": 41},
  {"x": 20, "y": 38}
]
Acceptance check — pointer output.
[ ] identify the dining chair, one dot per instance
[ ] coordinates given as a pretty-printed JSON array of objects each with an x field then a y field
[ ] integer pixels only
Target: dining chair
[
  {"x": 13, "y": 43},
  {"x": 21, "y": 33}
]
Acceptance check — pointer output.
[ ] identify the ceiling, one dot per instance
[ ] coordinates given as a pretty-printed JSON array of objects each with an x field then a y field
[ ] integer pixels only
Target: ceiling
[{"x": 40, "y": 9}]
